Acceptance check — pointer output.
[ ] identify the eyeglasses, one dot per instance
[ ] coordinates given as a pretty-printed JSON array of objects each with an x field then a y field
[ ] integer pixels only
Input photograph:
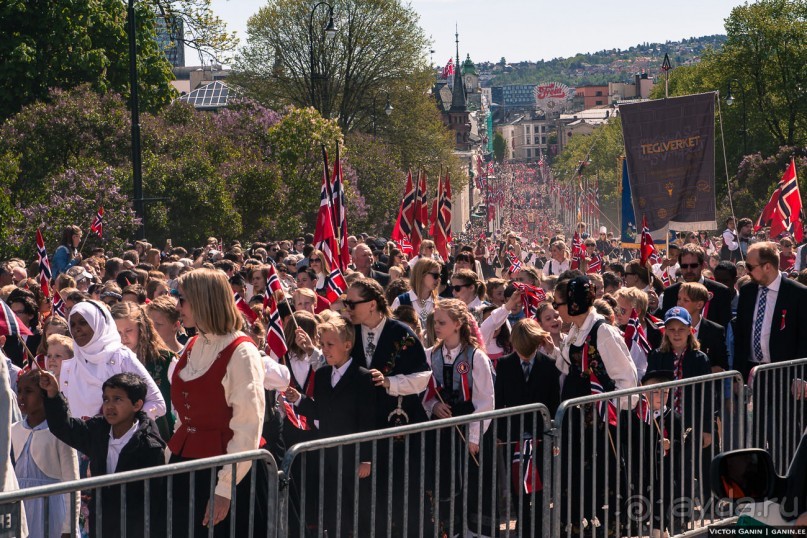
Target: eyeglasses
[
  {"x": 436, "y": 276},
  {"x": 458, "y": 287},
  {"x": 556, "y": 305},
  {"x": 689, "y": 265},
  {"x": 352, "y": 304},
  {"x": 750, "y": 267},
  {"x": 314, "y": 260},
  {"x": 282, "y": 270}
]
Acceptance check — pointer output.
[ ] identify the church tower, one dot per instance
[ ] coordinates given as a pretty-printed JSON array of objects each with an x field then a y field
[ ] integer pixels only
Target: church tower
[{"x": 458, "y": 116}]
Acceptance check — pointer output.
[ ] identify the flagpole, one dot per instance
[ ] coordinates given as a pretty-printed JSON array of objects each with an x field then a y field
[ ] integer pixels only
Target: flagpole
[{"x": 31, "y": 357}]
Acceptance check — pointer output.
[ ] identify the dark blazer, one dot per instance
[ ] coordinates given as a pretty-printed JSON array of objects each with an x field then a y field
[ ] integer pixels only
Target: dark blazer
[
  {"x": 712, "y": 338},
  {"x": 381, "y": 278},
  {"x": 788, "y": 339},
  {"x": 391, "y": 358},
  {"x": 145, "y": 449},
  {"x": 347, "y": 408},
  {"x": 695, "y": 363},
  {"x": 512, "y": 390},
  {"x": 719, "y": 306}
]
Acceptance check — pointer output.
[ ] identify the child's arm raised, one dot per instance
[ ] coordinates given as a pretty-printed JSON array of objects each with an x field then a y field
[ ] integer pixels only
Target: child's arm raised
[{"x": 71, "y": 431}]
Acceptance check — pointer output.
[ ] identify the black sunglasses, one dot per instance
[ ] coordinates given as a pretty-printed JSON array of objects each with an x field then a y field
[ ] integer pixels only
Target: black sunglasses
[
  {"x": 435, "y": 275},
  {"x": 352, "y": 304},
  {"x": 312, "y": 260},
  {"x": 556, "y": 305},
  {"x": 458, "y": 287},
  {"x": 689, "y": 265}
]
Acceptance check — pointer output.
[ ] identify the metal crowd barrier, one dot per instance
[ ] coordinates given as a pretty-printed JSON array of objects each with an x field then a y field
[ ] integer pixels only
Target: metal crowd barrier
[
  {"x": 423, "y": 480},
  {"x": 157, "y": 491},
  {"x": 779, "y": 409},
  {"x": 621, "y": 469}
]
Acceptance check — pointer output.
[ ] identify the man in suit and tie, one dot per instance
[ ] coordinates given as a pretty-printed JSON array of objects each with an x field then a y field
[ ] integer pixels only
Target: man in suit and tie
[
  {"x": 363, "y": 261},
  {"x": 771, "y": 313},
  {"x": 692, "y": 262},
  {"x": 526, "y": 376}
]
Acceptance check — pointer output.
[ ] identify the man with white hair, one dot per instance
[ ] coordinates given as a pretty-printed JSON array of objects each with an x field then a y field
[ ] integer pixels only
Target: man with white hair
[{"x": 363, "y": 261}]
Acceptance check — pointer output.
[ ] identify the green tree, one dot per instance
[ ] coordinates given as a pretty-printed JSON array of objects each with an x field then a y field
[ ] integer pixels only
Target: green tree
[
  {"x": 65, "y": 44},
  {"x": 377, "y": 47},
  {"x": 499, "y": 147}
]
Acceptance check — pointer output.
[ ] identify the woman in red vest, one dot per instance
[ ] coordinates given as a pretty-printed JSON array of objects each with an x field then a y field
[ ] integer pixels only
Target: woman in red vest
[{"x": 217, "y": 390}]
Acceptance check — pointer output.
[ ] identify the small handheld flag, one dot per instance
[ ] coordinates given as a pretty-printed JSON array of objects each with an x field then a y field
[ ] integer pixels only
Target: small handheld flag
[
  {"x": 44, "y": 265},
  {"x": 97, "y": 226}
]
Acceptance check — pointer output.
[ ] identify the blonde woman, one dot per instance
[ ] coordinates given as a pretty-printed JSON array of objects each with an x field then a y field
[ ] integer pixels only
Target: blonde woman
[
  {"x": 319, "y": 263},
  {"x": 218, "y": 384},
  {"x": 425, "y": 281}
]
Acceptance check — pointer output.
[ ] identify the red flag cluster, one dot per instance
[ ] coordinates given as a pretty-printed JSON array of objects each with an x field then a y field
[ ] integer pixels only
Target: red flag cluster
[
  {"x": 413, "y": 216},
  {"x": 647, "y": 248},
  {"x": 783, "y": 210},
  {"x": 330, "y": 235},
  {"x": 531, "y": 298}
]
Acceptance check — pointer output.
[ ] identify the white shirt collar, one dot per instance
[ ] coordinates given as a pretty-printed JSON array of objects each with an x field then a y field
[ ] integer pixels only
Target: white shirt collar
[
  {"x": 375, "y": 330},
  {"x": 342, "y": 369},
  {"x": 777, "y": 282},
  {"x": 125, "y": 437}
]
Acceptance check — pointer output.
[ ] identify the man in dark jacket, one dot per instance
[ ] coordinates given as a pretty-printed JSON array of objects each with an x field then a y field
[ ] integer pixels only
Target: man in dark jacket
[{"x": 123, "y": 439}]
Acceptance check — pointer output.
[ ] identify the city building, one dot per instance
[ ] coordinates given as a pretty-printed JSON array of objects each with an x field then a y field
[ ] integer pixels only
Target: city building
[{"x": 171, "y": 39}]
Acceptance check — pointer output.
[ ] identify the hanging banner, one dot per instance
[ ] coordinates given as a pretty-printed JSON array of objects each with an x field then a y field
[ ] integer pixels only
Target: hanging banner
[{"x": 669, "y": 147}]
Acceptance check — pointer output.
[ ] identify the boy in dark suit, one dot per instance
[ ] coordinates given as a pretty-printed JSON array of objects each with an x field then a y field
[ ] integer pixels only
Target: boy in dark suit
[
  {"x": 524, "y": 377},
  {"x": 344, "y": 401},
  {"x": 657, "y": 438},
  {"x": 123, "y": 439}
]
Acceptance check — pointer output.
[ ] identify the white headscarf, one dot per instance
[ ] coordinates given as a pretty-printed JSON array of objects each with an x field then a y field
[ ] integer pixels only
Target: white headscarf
[{"x": 95, "y": 362}]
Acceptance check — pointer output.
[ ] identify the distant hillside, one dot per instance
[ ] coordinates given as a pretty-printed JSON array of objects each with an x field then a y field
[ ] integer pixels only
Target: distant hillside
[{"x": 601, "y": 67}]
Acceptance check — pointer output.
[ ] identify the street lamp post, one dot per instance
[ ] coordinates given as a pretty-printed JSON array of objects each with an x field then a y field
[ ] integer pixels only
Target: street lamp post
[
  {"x": 137, "y": 168},
  {"x": 330, "y": 32},
  {"x": 730, "y": 101}
]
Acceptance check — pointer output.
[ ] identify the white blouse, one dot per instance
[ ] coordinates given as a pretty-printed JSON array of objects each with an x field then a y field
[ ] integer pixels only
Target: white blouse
[{"x": 243, "y": 391}]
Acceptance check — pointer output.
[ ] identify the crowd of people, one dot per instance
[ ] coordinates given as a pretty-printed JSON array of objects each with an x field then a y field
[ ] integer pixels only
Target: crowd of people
[{"x": 162, "y": 355}]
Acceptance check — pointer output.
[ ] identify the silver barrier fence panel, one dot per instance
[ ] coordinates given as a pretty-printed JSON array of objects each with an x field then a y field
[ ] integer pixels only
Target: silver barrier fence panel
[
  {"x": 423, "y": 480},
  {"x": 636, "y": 462},
  {"x": 778, "y": 406},
  {"x": 142, "y": 502}
]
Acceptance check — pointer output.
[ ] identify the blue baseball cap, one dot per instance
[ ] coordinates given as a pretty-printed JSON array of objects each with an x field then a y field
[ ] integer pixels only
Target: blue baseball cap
[{"x": 679, "y": 314}]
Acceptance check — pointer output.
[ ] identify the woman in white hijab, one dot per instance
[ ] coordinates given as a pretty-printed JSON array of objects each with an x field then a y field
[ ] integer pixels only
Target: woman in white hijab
[{"x": 98, "y": 354}]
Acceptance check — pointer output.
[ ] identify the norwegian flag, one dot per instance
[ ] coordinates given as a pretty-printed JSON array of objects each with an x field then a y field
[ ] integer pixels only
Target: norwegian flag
[
  {"x": 605, "y": 408},
  {"x": 340, "y": 212},
  {"x": 97, "y": 226},
  {"x": 665, "y": 278},
  {"x": 531, "y": 298},
  {"x": 595, "y": 264},
  {"x": 643, "y": 409},
  {"x": 58, "y": 304},
  {"x": 324, "y": 236},
  {"x": 515, "y": 267},
  {"x": 406, "y": 212},
  {"x": 44, "y": 264},
  {"x": 523, "y": 471},
  {"x": 657, "y": 322},
  {"x": 10, "y": 324},
  {"x": 275, "y": 339},
  {"x": 448, "y": 70},
  {"x": 491, "y": 170},
  {"x": 335, "y": 285},
  {"x": 242, "y": 305},
  {"x": 648, "y": 247},
  {"x": 431, "y": 390},
  {"x": 405, "y": 246},
  {"x": 420, "y": 212},
  {"x": 783, "y": 210},
  {"x": 297, "y": 420},
  {"x": 272, "y": 280},
  {"x": 634, "y": 333},
  {"x": 577, "y": 251},
  {"x": 442, "y": 235}
]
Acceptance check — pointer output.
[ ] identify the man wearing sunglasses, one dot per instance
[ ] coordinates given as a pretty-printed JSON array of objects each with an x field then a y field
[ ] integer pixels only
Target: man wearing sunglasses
[{"x": 692, "y": 262}]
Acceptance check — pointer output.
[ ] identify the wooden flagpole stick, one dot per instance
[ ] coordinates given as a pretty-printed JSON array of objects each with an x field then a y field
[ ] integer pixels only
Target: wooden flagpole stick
[
  {"x": 459, "y": 431},
  {"x": 31, "y": 357}
]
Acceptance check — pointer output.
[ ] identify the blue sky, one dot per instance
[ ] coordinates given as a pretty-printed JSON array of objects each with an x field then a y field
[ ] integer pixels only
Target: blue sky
[{"x": 538, "y": 29}]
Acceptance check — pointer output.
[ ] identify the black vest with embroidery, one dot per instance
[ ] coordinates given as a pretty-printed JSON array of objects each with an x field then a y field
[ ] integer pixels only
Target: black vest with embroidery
[
  {"x": 461, "y": 367},
  {"x": 578, "y": 383}
]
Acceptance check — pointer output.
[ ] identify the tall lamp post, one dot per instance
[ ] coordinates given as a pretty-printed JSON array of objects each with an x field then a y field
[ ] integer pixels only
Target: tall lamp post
[
  {"x": 734, "y": 83},
  {"x": 330, "y": 33},
  {"x": 137, "y": 167}
]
